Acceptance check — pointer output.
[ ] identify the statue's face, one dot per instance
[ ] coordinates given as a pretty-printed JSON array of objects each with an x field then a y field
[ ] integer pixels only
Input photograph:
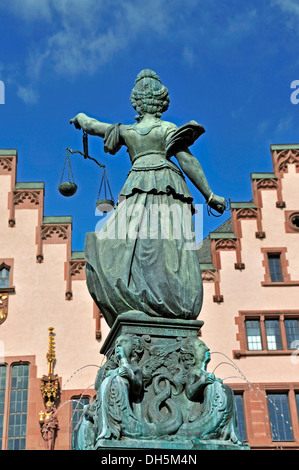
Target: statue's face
[
  {"x": 200, "y": 352},
  {"x": 125, "y": 343}
]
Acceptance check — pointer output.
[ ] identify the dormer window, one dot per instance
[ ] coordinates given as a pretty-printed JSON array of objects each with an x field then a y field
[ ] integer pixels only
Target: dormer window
[
  {"x": 4, "y": 276},
  {"x": 6, "y": 286}
]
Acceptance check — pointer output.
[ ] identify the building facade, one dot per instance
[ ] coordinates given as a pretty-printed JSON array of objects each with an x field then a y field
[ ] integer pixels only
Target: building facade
[
  {"x": 51, "y": 332},
  {"x": 42, "y": 286},
  {"x": 250, "y": 268}
]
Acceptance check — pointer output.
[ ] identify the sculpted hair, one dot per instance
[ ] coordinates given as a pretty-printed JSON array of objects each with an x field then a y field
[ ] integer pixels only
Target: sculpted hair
[{"x": 149, "y": 95}]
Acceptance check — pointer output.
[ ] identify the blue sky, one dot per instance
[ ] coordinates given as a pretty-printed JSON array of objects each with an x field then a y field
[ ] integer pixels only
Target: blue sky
[{"x": 227, "y": 64}]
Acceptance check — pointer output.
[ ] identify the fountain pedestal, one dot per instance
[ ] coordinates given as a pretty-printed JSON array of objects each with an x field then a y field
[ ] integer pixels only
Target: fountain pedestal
[{"x": 154, "y": 391}]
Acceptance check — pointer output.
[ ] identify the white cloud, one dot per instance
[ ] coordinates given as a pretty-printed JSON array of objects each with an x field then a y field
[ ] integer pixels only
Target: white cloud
[
  {"x": 284, "y": 124},
  {"x": 290, "y": 13},
  {"x": 29, "y": 9},
  {"x": 28, "y": 95},
  {"x": 188, "y": 56},
  {"x": 78, "y": 37},
  {"x": 288, "y": 6},
  {"x": 82, "y": 36}
]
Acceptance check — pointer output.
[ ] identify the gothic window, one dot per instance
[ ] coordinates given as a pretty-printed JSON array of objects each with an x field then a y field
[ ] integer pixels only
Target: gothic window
[
  {"x": 18, "y": 407},
  {"x": 78, "y": 404},
  {"x": 240, "y": 417},
  {"x": 2, "y": 399},
  {"x": 280, "y": 419},
  {"x": 6, "y": 286},
  {"x": 4, "y": 276}
]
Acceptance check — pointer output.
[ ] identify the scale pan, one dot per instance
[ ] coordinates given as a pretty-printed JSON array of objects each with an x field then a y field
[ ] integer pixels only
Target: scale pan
[
  {"x": 105, "y": 205},
  {"x": 67, "y": 189}
]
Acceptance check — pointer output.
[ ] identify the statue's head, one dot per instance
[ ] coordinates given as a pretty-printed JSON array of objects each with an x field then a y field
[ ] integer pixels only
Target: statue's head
[
  {"x": 129, "y": 346},
  {"x": 124, "y": 346},
  {"x": 149, "y": 95},
  {"x": 196, "y": 351}
]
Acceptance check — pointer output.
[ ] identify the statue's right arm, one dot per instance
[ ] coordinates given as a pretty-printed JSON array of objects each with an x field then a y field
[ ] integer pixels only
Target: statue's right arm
[{"x": 89, "y": 125}]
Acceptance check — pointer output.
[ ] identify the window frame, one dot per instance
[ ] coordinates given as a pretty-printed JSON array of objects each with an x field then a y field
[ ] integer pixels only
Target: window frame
[
  {"x": 240, "y": 393},
  {"x": 14, "y": 414},
  {"x": 255, "y": 401},
  {"x": 274, "y": 256},
  {"x": 290, "y": 417},
  {"x": 77, "y": 398},
  {"x": 2, "y": 414},
  {"x": 286, "y": 279},
  {"x": 8, "y": 263},
  {"x": 291, "y": 390},
  {"x": 7, "y": 269},
  {"x": 257, "y": 336},
  {"x": 10, "y": 362},
  {"x": 263, "y": 316}
]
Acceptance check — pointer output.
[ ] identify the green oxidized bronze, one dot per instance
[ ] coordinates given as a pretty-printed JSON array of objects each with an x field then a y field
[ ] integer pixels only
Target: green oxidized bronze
[
  {"x": 143, "y": 272},
  {"x": 151, "y": 273}
]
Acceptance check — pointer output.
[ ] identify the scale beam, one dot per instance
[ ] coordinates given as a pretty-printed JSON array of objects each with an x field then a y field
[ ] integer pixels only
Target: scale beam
[{"x": 86, "y": 156}]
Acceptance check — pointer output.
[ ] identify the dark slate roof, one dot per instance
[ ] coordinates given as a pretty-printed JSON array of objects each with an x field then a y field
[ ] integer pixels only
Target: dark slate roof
[
  {"x": 227, "y": 226},
  {"x": 204, "y": 251}
]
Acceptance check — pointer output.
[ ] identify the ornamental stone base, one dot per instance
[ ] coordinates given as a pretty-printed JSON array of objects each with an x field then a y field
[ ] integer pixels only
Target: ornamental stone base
[{"x": 154, "y": 391}]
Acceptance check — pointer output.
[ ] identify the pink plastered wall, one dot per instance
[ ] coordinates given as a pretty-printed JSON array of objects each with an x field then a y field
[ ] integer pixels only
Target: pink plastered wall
[
  {"x": 243, "y": 291},
  {"x": 39, "y": 299}
]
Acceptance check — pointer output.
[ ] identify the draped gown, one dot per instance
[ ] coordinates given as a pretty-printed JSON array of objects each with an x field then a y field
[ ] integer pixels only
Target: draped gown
[{"x": 143, "y": 259}]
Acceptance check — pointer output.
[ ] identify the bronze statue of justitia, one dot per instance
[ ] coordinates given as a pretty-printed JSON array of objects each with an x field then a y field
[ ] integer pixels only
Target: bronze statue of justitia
[{"x": 131, "y": 265}]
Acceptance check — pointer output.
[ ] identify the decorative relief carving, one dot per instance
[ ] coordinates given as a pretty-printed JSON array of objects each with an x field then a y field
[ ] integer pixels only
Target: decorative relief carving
[
  {"x": 209, "y": 276},
  {"x": 247, "y": 213},
  {"x": 60, "y": 231},
  {"x": 149, "y": 388},
  {"x": 20, "y": 197},
  {"x": 76, "y": 267},
  {"x": 6, "y": 163},
  {"x": 267, "y": 184},
  {"x": 286, "y": 157},
  {"x": 226, "y": 244}
]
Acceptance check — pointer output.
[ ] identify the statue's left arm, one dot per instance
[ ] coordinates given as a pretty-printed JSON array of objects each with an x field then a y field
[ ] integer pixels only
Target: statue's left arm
[
  {"x": 178, "y": 141},
  {"x": 193, "y": 170}
]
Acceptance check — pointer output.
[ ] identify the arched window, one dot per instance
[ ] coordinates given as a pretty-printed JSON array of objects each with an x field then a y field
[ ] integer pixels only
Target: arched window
[{"x": 4, "y": 276}]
